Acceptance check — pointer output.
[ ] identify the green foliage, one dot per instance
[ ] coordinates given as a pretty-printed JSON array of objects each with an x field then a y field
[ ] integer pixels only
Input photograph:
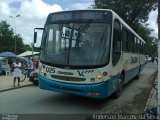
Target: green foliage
[
  {"x": 135, "y": 13},
  {"x": 151, "y": 45},
  {"x": 7, "y": 39},
  {"x": 131, "y": 11}
]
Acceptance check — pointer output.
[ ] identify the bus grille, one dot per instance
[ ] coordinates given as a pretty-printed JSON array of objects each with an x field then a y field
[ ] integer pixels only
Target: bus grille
[
  {"x": 66, "y": 78},
  {"x": 65, "y": 88}
]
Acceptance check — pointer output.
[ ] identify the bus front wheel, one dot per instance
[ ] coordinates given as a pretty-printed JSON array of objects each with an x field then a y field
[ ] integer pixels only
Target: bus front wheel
[{"x": 117, "y": 93}]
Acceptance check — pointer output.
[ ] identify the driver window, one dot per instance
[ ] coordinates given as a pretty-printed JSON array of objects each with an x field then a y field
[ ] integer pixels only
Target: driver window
[{"x": 116, "y": 42}]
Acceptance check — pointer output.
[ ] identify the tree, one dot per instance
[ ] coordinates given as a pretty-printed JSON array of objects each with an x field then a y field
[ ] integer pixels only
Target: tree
[
  {"x": 135, "y": 13},
  {"x": 7, "y": 39},
  {"x": 151, "y": 42}
]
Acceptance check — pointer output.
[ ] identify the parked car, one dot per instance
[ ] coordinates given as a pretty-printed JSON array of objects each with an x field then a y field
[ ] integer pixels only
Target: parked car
[
  {"x": 4, "y": 68},
  {"x": 149, "y": 59},
  {"x": 33, "y": 77}
]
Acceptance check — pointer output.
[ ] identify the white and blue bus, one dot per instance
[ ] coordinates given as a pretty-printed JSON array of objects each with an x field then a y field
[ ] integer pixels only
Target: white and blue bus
[{"x": 90, "y": 53}]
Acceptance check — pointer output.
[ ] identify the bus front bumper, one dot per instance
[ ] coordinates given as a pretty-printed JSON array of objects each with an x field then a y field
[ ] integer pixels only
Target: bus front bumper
[{"x": 98, "y": 90}]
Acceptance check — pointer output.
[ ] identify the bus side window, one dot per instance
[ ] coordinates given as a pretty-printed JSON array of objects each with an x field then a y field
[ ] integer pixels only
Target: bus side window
[
  {"x": 116, "y": 53},
  {"x": 124, "y": 39}
]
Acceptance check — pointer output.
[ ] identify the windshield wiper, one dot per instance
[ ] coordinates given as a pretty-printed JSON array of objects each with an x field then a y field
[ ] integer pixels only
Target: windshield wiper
[
  {"x": 70, "y": 44},
  {"x": 82, "y": 29}
]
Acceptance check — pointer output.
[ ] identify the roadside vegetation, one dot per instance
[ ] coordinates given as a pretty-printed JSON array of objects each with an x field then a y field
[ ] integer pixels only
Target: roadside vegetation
[
  {"x": 135, "y": 13},
  {"x": 7, "y": 39}
]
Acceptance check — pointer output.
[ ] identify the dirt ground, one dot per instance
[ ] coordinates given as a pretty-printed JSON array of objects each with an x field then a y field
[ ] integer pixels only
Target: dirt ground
[
  {"x": 133, "y": 98},
  {"x": 134, "y": 95},
  {"x": 138, "y": 104}
]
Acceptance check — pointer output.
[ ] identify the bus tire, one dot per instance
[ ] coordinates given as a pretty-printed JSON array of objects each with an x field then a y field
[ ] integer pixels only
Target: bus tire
[{"x": 117, "y": 93}]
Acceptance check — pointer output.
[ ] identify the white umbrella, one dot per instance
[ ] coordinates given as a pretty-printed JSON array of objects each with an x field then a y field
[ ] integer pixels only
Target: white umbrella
[{"x": 27, "y": 53}]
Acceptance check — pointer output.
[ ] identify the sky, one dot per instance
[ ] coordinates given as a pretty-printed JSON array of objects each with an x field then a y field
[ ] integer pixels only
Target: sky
[{"x": 33, "y": 13}]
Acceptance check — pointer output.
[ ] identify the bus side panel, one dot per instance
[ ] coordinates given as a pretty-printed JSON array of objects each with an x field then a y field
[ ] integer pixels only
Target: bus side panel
[
  {"x": 142, "y": 61},
  {"x": 132, "y": 68},
  {"x": 130, "y": 74},
  {"x": 143, "y": 65},
  {"x": 105, "y": 88}
]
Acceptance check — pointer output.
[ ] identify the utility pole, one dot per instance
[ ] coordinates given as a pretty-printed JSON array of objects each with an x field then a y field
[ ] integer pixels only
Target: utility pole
[
  {"x": 15, "y": 44},
  {"x": 158, "y": 106}
]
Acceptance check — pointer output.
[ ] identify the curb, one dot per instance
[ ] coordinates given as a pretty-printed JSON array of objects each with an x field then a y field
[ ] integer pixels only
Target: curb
[
  {"x": 8, "y": 89},
  {"x": 152, "y": 96}
]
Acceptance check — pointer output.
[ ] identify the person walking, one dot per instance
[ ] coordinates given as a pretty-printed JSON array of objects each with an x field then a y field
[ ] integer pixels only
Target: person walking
[
  {"x": 16, "y": 72},
  {"x": 156, "y": 59}
]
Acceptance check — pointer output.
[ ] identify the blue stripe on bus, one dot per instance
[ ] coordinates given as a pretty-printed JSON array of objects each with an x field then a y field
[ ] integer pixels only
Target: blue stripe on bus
[{"x": 105, "y": 88}]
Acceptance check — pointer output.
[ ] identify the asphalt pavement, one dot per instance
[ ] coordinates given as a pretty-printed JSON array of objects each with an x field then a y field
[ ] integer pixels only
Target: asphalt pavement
[
  {"x": 153, "y": 97},
  {"x": 6, "y": 83}
]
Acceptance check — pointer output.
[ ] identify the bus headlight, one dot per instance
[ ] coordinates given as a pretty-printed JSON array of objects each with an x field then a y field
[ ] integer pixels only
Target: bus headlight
[
  {"x": 99, "y": 77},
  {"x": 92, "y": 79},
  {"x": 42, "y": 71}
]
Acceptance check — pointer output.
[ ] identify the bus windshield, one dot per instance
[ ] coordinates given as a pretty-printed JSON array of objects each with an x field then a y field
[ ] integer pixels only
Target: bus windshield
[{"x": 76, "y": 43}]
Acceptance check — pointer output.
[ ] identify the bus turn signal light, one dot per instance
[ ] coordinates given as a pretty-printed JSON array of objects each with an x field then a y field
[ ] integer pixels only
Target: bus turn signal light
[{"x": 105, "y": 73}]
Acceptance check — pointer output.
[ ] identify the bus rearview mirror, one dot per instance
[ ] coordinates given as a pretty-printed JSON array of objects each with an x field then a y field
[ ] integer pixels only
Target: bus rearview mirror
[{"x": 35, "y": 37}]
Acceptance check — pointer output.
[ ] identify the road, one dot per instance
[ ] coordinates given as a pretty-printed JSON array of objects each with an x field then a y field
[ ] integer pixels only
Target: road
[
  {"x": 135, "y": 93},
  {"x": 32, "y": 100}
]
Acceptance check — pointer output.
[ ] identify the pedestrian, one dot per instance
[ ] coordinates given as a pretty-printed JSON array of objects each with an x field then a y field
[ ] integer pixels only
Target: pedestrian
[
  {"x": 33, "y": 64},
  {"x": 156, "y": 59},
  {"x": 16, "y": 72}
]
